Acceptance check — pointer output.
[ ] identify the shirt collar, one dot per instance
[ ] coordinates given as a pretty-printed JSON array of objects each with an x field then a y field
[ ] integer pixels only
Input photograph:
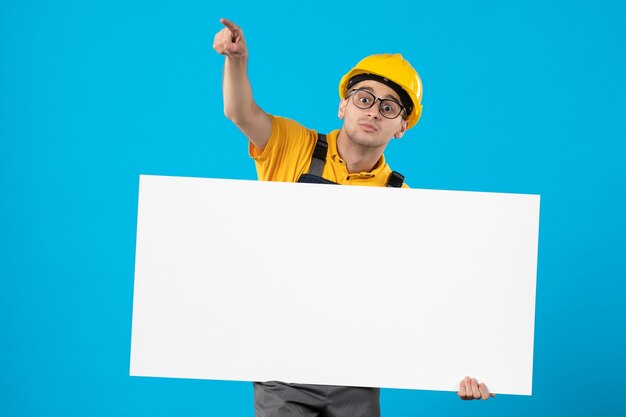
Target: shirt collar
[{"x": 333, "y": 154}]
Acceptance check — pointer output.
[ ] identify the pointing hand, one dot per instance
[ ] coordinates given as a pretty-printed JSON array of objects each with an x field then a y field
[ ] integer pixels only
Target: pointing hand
[{"x": 230, "y": 41}]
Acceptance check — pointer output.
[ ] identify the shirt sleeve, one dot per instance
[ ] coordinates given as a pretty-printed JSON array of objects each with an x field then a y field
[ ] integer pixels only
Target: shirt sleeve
[{"x": 288, "y": 151}]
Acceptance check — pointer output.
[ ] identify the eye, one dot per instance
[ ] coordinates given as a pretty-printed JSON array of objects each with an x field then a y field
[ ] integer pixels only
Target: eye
[{"x": 390, "y": 108}]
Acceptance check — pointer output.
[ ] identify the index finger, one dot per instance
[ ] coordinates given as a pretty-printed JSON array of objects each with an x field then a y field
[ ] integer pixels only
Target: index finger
[
  {"x": 461, "y": 391},
  {"x": 230, "y": 25},
  {"x": 484, "y": 391}
]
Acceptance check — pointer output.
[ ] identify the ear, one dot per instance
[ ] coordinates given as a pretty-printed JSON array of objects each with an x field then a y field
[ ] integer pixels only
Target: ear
[
  {"x": 403, "y": 128},
  {"x": 342, "y": 108}
]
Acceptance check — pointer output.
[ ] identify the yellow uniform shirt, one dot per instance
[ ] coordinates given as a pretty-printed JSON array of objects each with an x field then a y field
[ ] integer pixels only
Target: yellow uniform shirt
[{"x": 289, "y": 151}]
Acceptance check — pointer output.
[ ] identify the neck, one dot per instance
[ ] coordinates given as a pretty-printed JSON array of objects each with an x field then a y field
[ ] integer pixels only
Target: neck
[{"x": 358, "y": 158}]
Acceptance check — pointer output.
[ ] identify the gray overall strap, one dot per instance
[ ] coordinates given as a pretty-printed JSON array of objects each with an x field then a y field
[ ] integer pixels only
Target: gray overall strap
[
  {"x": 319, "y": 160},
  {"x": 319, "y": 156},
  {"x": 395, "y": 180}
]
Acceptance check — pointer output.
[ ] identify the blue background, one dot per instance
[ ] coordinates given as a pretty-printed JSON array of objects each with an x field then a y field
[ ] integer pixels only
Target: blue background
[{"x": 524, "y": 97}]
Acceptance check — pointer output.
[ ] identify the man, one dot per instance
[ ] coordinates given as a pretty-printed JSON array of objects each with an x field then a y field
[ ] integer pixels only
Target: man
[{"x": 380, "y": 100}]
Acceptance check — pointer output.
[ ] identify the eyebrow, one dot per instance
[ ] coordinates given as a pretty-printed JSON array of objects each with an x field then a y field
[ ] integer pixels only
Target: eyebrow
[{"x": 371, "y": 90}]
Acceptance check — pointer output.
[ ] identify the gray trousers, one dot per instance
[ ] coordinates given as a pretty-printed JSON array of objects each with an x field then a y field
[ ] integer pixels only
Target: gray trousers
[{"x": 279, "y": 399}]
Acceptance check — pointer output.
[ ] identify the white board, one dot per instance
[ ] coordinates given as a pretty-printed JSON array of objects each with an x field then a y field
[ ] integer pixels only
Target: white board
[{"x": 337, "y": 285}]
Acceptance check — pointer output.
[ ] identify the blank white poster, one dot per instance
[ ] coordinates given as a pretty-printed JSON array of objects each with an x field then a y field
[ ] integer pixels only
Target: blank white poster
[{"x": 337, "y": 285}]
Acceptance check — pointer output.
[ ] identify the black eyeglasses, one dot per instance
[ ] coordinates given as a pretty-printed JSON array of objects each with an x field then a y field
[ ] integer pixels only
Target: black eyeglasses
[{"x": 363, "y": 99}]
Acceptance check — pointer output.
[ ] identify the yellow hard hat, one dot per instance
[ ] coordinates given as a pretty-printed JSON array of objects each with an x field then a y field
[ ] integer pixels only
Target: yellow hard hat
[{"x": 390, "y": 67}]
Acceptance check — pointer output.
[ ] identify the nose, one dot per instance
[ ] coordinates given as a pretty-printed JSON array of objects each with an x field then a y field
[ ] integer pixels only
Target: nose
[{"x": 374, "y": 111}]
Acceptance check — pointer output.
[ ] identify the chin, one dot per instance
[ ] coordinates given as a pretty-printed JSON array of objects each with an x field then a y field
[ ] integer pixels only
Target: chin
[
  {"x": 370, "y": 142},
  {"x": 366, "y": 139}
]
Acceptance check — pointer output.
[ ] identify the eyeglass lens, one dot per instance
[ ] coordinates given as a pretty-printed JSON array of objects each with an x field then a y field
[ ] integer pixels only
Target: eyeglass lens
[{"x": 363, "y": 99}]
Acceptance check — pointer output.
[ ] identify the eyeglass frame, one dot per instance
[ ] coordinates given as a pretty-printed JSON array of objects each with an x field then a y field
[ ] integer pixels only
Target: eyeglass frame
[{"x": 380, "y": 103}]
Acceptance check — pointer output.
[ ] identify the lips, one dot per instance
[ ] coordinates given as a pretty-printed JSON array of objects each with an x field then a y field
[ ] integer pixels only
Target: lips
[{"x": 368, "y": 127}]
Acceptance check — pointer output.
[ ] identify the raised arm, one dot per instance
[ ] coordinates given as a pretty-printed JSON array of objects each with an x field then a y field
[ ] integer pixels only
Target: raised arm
[{"x": 239, "y": 105}]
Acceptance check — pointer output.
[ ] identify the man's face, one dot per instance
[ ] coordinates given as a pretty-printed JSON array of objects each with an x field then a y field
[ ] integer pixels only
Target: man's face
[{"x": 367, "y": 127}]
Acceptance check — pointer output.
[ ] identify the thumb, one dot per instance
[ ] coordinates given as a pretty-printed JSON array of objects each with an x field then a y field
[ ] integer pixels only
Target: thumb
[{"x": 234, "y": 49}]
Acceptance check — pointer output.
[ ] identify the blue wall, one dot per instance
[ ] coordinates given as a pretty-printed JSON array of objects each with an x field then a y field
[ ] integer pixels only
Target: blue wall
[{"x": 525, "y": 97}]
